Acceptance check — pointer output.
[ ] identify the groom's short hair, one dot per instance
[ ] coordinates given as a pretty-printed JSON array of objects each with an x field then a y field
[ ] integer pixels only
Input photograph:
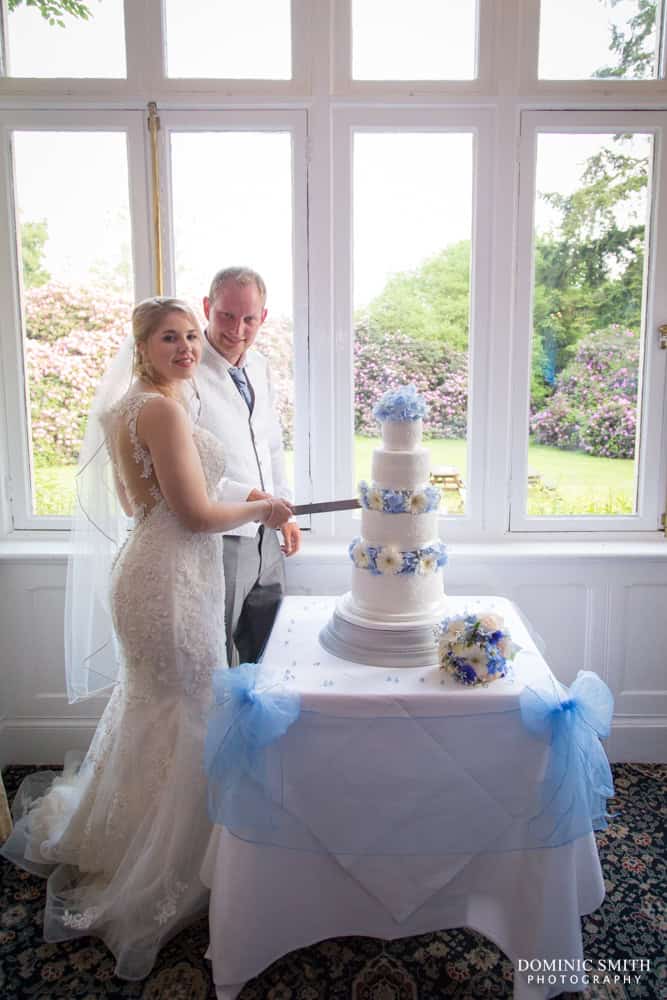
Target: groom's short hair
[{"x": 240, "y": 275}]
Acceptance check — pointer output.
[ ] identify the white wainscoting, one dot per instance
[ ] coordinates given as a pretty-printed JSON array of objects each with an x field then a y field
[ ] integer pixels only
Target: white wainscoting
[{"x": 600, "y": 607}]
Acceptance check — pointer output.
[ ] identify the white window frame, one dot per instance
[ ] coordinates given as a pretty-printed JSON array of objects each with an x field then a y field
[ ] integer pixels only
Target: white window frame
[
  {"x": 487, "y": 19},
  {"x": 601, "y": 92},
  {"x": 322, "y": 89},
  {"x": 650, "y": 490},
  {"x": 294, "y": 122},
  {"x": 145, "y": 54},
  {"x": 479, "y": 123},
  {"x": 18, "y": 444}
]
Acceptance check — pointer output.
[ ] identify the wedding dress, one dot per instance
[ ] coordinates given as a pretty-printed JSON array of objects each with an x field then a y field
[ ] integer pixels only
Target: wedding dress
[{"x": 123, "y": 837}]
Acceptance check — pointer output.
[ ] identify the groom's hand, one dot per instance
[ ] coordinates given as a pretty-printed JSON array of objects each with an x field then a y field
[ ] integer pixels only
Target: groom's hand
[
  {"x": 258, "y": 495},
  {"x": 291, "y": 538}
]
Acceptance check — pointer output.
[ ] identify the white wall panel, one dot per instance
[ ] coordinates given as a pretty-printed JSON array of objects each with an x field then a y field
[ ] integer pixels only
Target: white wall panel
[{"x": 604, "y": 614}]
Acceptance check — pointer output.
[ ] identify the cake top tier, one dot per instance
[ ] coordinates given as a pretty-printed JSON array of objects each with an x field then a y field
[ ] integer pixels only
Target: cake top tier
[{"x": 399, "y": 405}]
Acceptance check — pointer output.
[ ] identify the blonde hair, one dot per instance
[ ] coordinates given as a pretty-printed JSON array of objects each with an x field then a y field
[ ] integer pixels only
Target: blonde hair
[
  {"x": 242, "y": 276},
  {"x": 146, "y": 317}
]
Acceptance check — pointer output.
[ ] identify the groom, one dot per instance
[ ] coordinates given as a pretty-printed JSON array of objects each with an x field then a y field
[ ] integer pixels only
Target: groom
[{"x": 238, "y": 407}]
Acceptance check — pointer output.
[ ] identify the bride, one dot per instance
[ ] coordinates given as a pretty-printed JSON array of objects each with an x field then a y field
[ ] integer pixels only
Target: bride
[{"x": 122, "y": 838}]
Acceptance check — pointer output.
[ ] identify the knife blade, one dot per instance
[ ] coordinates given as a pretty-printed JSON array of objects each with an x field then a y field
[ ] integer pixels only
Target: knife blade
[{"x": 326, "y": 506}]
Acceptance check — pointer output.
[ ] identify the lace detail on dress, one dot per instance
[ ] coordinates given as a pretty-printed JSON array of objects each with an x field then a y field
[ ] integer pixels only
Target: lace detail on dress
[
  {"x": 81, "y": 921},
  {"x": 166, "y": 909},
  {"x": 142, "y": 456}
]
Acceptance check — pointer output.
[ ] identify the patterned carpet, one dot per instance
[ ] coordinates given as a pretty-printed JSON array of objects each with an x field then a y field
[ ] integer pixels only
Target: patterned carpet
[{"x": 460, "y": 964}]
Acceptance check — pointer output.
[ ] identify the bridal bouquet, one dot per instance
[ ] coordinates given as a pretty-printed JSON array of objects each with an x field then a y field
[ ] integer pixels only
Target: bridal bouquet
[{"x": 475, "y": 649}]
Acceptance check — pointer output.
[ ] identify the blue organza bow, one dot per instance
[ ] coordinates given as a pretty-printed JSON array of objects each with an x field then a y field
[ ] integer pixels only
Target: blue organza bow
[
  {"x": 242, "y": 724},
  {"x": 578, "y": 779}
]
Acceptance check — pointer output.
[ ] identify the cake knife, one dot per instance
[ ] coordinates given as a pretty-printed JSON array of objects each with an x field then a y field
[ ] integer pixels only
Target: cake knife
[{"x": 326, "y": 506}]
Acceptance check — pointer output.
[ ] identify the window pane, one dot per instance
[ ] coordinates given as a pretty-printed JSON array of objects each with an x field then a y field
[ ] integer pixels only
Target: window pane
[
  {"x": 421, "y": 40},
  {"x": 74, "y": 242},
  {"x": 412, "y": 233},
  {"x": 591, "y": 217},
  {"x": 228, "y": 210},
  {"x": 73, "y": 46},
  {"x": 228, "y": 40},
  {"x": 599, "y": 39}
]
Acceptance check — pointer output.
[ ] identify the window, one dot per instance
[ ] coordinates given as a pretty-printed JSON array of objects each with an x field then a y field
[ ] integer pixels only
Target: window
[
  {"x": 444, "y": 194},
  {"x": 412, "y": 223},
  {"x": 593, "y": 350},
  {"x": 228, "y": 40},
  {"x": 57, "y": 42},
  {"x": 600, "y": 39},
  {"x": 77, "y": 281},
  {"x": 423, "y": 40},
  {"x": 228, "y": 209}
]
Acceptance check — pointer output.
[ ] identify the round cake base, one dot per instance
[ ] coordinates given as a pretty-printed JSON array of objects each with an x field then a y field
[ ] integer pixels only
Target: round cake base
[{"x": 407, "y": 645}]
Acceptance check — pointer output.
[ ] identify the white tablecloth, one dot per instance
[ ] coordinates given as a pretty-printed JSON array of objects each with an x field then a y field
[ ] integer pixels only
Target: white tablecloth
[{"x": 267, "y": 901}]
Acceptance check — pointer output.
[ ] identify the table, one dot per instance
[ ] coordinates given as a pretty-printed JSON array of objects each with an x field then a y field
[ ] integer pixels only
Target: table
[
  {"x": 267, "y": 901},
  {"x": 449, "y": 477}
]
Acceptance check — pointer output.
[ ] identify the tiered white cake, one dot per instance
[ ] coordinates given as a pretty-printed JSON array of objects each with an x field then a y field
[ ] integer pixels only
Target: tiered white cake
[{"x": 397, "y": 591}]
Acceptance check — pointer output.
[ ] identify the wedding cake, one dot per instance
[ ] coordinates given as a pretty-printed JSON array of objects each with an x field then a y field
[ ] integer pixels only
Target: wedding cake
[{"x": 397, "y": 594}]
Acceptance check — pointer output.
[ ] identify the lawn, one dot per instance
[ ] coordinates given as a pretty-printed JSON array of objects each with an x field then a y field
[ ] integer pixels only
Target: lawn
[{"x": 570, "y": 482}]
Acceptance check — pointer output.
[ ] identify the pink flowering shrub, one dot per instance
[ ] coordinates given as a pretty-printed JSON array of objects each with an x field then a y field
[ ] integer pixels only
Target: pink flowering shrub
[
  {"x": 388, "y": 360},
  {"x": 63, "y": 376},
  {"x": 72, "y": 335},
  {"x": 54, "y": 310},
  {"x": 594, "y": 404},
  {"x": 275, "y": 342}
]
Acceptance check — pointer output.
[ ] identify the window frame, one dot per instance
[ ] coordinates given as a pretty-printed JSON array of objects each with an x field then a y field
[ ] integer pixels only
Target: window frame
[
  {"x": 321, "y": 89},
  {"x": 19, "y": 446},
  {"x": 295, "y": 123},
  {"x": 650, "y": 493},
  {"x": 477, "y": 122}
]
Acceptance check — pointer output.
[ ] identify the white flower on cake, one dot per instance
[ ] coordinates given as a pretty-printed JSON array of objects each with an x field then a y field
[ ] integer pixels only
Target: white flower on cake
[
  {"x": 375, "y": 499},
  {"x": 389, "y": 560},
  {"x": 417, "y": 503},
  {"x": 360, "y": 556},
  {"x": 428, "y": 563}
]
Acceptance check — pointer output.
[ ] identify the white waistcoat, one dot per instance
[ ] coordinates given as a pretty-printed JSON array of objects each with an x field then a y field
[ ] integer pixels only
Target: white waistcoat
[{"x": 252, "y": 442}]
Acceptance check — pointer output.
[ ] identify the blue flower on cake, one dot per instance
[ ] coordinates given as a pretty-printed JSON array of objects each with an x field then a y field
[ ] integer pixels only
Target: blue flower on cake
[
  {"x": 410, "y": 562},
  {"x": 475, "y": 649},
  {"x": 400, "y": 404},
  {"x": 394, "y": 502}
]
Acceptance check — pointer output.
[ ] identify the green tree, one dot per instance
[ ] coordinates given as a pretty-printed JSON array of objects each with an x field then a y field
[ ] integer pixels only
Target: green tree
[
  {"x": 430, "y": 303},
  {"x": 54, "y": 11},
  {"x": 33, "y": 239},
  {"x": 589, "y": 270},
  {"x": 635, "y": 47}
]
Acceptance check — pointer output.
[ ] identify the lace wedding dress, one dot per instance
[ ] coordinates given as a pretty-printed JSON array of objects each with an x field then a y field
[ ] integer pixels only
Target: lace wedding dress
[{"x": 128, "y": 830}]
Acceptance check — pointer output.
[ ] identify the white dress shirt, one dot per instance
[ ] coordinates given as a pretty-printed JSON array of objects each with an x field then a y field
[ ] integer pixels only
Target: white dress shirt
[{"x": 252, "y": 441}]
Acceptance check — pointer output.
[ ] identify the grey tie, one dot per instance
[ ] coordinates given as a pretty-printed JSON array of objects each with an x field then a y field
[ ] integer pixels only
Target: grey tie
[{"x": 241, "y": 382}]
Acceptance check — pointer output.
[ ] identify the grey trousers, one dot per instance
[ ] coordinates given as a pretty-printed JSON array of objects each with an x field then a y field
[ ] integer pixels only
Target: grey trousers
[{"x": 254, "y": 586}]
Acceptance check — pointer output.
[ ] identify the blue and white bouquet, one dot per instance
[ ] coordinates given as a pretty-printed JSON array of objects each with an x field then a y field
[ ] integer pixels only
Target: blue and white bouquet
[
  {"x": 475, "y": 649},
  {"x": 419, "y": 501},
  {"x": 403, "y": 403}
]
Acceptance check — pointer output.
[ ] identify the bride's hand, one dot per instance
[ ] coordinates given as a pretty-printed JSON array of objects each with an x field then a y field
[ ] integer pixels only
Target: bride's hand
[{"x": 277, "y": 513}]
